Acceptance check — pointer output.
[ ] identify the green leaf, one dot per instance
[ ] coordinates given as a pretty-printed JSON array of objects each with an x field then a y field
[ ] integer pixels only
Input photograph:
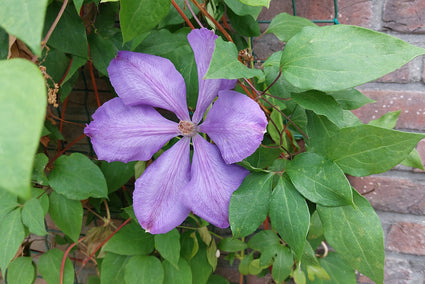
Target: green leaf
[
  {"x": 337, "y": 57},
  {"x": 69, "y": 35},
  {"x": 357, "y": 235},
  {"x": 144, "y": 269},
  {"x": 315, "y": 233},
  {"x": 338, "y": 269},
  {"x": 113, "y": 268},
  {"x": 212, "y": 255},
  {"x": 38, "y": 175},
  {"x": 116, "y": 173},
  {"x": 24, "y": 19},
  {"x": 217, "y": 279},
  {"x": 289, "y": 215},
  {"x": 200, "y": 266},
  {"x": 42, "y": 197},
  {"x": 231, "y": 245},
  {"x": 263, "y": 240},
  {"x": 285, "y": 26},
  {"x": 264, "y": 3},
  {"x": 189, "y": 245},
  {"x": 180, "y": 275},
  {"x": 49, "y": 266},
  {"x": 321, "y": 104},
  {"x": 78, "y": 4},
  {"x": 244, "y": 263},
  {"x": 311, "y": 264},
  {"x": 33, "y": 217},
  {"x": 388, "y": 120},
  {"x": 67, "y": 214},
  {"x": 76, "y": 177},
  {"x": 282, "y": 265},
  {"x": 131, "y": 240},
  {"x": 77, "y": 62},
  {"x": 4, "y": 44},
  {"x": 21, "y": 271},
  {"x": 176, "y": 48},
  {"x": 319, "y": 180},
  {"x": 319, "y": 130},
  {"x": 413, "y": 160},
  {"x": 23, "y": 105},
  {"x": 255, "y": 190},
  {"x": 174, "y": 18},
  {"x": 350, "y": 98},
  {"x": 225, "y": 64},
  {"x": 263, "y": 157},
  {"x": 102, "y": 51},
  {"x": 168, "y": 245},
  {"x": 12, "y": 234},
  {"x": 139, "y": 16},
  {"x": 365, "y": 149},
  {"x": 276, "y": 134},
  {"x": 8, "y": 202},
  {"x": 244, "y": 25},
  {"x": 241, "y": 9}
]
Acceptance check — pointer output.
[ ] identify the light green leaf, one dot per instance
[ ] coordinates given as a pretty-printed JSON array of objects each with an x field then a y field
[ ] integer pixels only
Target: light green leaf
[
  {"x": 69, "y": 35},
  {"x": 8, "y": 202},
  {"x": 231, "y": 245},
  {"x": 49, "y": 266},
  {"x": 255, "y": 190},
  {"x": 365, "y": 149},
  {"x": 22, "y": 111},
  {"x": 24, "y": 19},
  {"x": 276, "y": 134},
  {"x": 200, "y": 266},
  {"x": 144, "y": 270},
  {"x": 285, "y": 26},
  {"x": 180, "y": 275},
  {"x": 12, "y": 234},
  {"x": 350, "y": 98},
  {"x": 321, "y": 104},
  {"x": 78, "y": 4},
  {"x": 113, "y": 268},
  {"x": 77, "y": 177},
  {"x": 310, "y": 264},
  {"x": 356, "y": 234},
  {"x": 67, "y": 214},
  {"x": 319, "y": 180},
  {"x": 242, "y": 10},
  {"x": 337, "y": 57},
  {"x": 168, "y": 245},
  {"x": 21, "y": 271},
  {"x": 289, "y": 215},
  {"x": 225, "y": 64},
  {"x": 33, "y": 217},
  {"x": 140, "y": 16},
  {"x": 116, "y": 173},
  {"x": 282, "y": 265},
  {"x": 189, "y": 245},
  {"x": 315, "y": 232},
  {"x": 338, "y": 269},
  {"x": 131, "y": 240},
  {"x": 388, "y": 120},
  {"x": 264, "y": 3},
  {"x": 212, "y": 254},
  {"x": 413, "y": 160}
]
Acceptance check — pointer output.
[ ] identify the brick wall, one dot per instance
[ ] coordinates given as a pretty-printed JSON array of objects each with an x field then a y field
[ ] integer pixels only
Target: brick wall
[{"x": 399, "y": 195}]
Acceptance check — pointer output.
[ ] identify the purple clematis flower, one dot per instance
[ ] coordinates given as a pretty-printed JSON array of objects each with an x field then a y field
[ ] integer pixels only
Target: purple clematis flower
[{"x": 129, "y": 128}]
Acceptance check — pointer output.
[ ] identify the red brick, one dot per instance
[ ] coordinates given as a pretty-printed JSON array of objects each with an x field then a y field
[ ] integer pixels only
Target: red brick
[
  {"x": 356, "y": 12},
  {"x": 392, "y": 194},
  {"x": 401, "y": 75},
  {"x": 407, "y": 238},
  {"x": 406, "y": 16},
  {"x": 411, "y": 104}
]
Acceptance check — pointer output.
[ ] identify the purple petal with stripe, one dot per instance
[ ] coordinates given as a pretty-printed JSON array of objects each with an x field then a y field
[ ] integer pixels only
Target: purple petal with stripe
[
  {"x": 212, "y": 183},
  {"x": 157, "y": 199},
  {"x": 236, "y": 124},
  {"x": 125, "y": 133},
  {"x": 202, "y": 42},
  {"x": 149, "y": 80}
]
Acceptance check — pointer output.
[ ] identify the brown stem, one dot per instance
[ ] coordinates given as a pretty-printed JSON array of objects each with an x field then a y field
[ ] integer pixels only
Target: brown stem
[{"x": 179, "y": 10}]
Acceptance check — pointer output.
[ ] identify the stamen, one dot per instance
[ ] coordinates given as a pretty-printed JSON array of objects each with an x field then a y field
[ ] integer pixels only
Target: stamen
[{"x": 187, "y": 128}]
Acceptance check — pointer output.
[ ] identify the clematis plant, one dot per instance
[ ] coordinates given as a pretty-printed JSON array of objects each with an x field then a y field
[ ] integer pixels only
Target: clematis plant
[{"x": 129, "y": 128}]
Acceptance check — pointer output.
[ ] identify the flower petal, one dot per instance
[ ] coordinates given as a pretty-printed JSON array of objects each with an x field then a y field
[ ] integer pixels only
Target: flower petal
[
  {"x": 202, "y": 42},
  {"x": 212, "y": 183},
  {"x": 125, "y": 133},
  {"x": 140, "y": 78},
  {"x": 157, "y": 199},
  {"x": 236, "y": 124}
]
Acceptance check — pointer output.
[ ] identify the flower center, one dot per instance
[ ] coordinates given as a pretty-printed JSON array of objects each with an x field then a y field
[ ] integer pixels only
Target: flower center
[{"x": 187, "y": 128}]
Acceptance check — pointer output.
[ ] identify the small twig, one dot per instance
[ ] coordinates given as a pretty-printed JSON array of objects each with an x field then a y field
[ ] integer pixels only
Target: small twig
[
  {"x": 52, "y": 28},
  {"x": 64, "y": 259},
  {"x": 186, "y": 19},
  {"x": 193, "y": 13}
]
